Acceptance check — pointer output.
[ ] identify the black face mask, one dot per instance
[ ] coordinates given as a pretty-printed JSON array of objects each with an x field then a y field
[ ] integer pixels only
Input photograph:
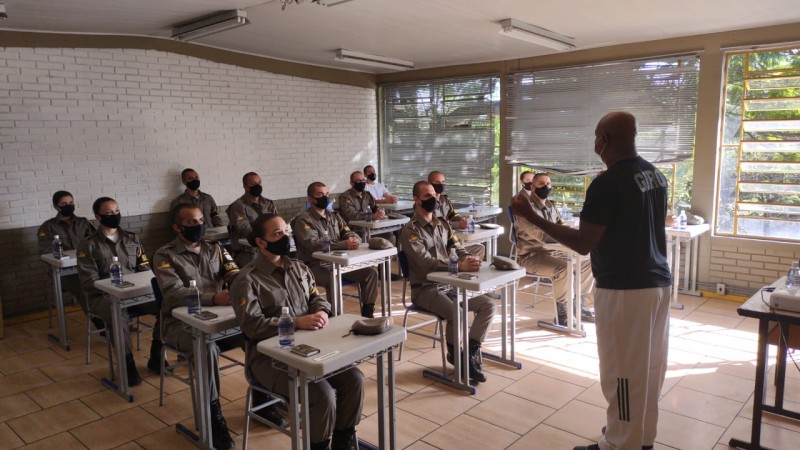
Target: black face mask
[
  {"x": 527, "y": 186},
  {"x": 255, "y": 190},
  {"x": 194, "y": 233},
  {"x": 280, "y": 247},
  {"x": 429, "y": 204},
  {"x": 193, "y": 185},
  {"x": 111, "y": 221},
  {"x": 359, "y": 186},
  {"x": 543, "y": 191},
  {"x": 67, "y": 210},
  {"x": 321, "y": 202},
  {"x": 372, "y": 177},
  {"x": 438, "y": 188}
]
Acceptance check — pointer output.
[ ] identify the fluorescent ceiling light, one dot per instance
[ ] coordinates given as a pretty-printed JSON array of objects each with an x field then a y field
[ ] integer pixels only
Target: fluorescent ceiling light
[
  {"x": 530, "y": 33},
  {"x": 330, "y": 3},
  {"x": 365, "y": 59},
  {"x": 208, "y": 25}
]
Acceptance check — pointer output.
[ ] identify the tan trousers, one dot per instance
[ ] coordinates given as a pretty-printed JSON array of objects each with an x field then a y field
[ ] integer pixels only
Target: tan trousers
[
  {"x": 441, "y": 304},
  {"x": 549, "y": 266},
  {"x": 366, "y": 278}
]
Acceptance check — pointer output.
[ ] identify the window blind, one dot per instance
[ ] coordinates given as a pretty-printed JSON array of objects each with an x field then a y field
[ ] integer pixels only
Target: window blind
[
  {"x": 447, "y": 125},
  {"x": 552, "y": 114}
]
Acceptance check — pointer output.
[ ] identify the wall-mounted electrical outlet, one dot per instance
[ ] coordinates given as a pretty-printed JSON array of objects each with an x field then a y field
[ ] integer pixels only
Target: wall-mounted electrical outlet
[{"x": 721, "y": 288}]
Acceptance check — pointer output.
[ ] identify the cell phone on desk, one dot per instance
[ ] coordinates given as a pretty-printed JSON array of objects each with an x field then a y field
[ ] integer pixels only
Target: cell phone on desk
[
  {"x": 206, "y": 315},
  {"x": 467, "y": 276},
  {"x": 125, "y": 284},
  {"x": 305, "y": 350},
  {"x": 339, "y": 253}
]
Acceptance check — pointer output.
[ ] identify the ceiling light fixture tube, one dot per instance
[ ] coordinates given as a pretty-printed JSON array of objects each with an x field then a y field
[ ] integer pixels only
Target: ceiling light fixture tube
[
  {"x": 208, "y": 25},
  {"x": 535, "y": 35},
  {"x": 365, "y": 59}
]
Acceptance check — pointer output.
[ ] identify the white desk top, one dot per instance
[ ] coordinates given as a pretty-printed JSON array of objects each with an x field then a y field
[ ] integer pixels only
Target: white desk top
[
  {"x": 217, "y": 233},
  {"x": 378, "y": 224},
  {"x": 480, "y": 211},
  {"x": 360, "y": 255},
  {"x": 488, "y": 277},
  {"x": 141, "y": 285},
  {"x": 690, "y": 231},
  {"x": 351, "y": 348},
  {"x": 400, "y": 205},
  {"x": 225, "y": 321},
  {"x": 70, "y": 261},
  {"x": 479, "y": 234}
]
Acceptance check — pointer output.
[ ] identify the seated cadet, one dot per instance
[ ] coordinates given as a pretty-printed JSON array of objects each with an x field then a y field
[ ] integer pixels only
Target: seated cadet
[
  {"x": 190, "y": 257},
  {"x": 193, "y": 196},
  {"x": 309, "y": 227},
  {"x": 243, "y": 212},
  {"x": 71, "y": 229},
  {"x": 94, "y": 258},
  {"x": 354, "y": 202},
  {"x": 376, "y": 188},
  {"x": 271, "y": 281},
  {"x": 535, "y": 258},
  {"x": 446, "y": 211},
  {"x": 427, "y": 241}
]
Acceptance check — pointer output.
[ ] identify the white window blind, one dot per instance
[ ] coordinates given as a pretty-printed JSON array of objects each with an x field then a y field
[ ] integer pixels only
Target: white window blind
[
  {"x": 447, "y": 125},
  {"x": 552, "y": 114}
]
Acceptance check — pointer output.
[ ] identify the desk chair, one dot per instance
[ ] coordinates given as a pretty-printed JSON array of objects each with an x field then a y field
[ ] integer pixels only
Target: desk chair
[
  {"x": 438, "y": 332},
  {"x": 102, "y": 333},
  {"x": 251, "y": 410},
  {"x": 537, "y": 280}
]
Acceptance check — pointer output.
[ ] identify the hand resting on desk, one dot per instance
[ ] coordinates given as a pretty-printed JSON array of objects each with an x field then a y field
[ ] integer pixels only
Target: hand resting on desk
[{"x": 316, "y": 321}]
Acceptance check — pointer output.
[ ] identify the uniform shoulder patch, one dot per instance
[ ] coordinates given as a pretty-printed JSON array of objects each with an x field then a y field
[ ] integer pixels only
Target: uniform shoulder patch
[
  {"x": 82, "y": 255},
  {"x": 42, "y": 234},
  {"x": 164, "y": 265},
  {"x": 239, "y": 217},
  {"x": 413, "y": 237},
  {"x": 242, "y": 301}
]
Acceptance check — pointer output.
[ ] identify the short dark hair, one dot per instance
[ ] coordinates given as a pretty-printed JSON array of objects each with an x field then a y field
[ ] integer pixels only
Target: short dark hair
[
  {"x": 367, "y": 167},
  {"x": 418, "y": 186},
  {"x": 258, "y": 227},
  {"x": 541, "y": 174},
  {"x": 353, "y": 173},
  {"x": 99, "y": 202},
  {"x": 522, "y": 175},
  {"x": 59, "y": 195},
  {"x": 176, "y": 211},
  {"x": 435, "y": 172},
  {"x": 185, "y": 171},
  {"x": 248, "y": 174},
  {"x": 313, "y": 186}
]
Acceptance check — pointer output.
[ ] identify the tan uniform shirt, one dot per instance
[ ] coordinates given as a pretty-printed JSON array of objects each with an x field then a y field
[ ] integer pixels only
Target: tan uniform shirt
[
  {"x": 352, "y": 206},
  {"x": 309, "y": 227},
  {"x": 174, "y": 265},
  {"x": 242, "y": 214},
  {"x": 427, "y": 246},
  {"x": 203, "y": 201},
  {"x": 445, "y": 210},
  {"x": 95, "y": 253},
  {"x": 71, "y": 233},
  {"x": 530, "y": 238}
]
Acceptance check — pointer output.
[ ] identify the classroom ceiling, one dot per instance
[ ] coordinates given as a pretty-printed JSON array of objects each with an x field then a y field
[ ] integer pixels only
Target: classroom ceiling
[{"x": 430, "y": 33}]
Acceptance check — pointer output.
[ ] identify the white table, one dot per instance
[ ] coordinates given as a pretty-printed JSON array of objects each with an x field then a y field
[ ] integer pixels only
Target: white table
[
  {"x": 218, "y": 234},
  {"x": 356, "y": 259},
  {"x": 675, "y": 238},
  {"x": 488, "y": 280},
  {"x": 382, "y": 226},
  {"x": 61, "y": 268},
  {"x": 574, "y": 282},
  {"x": 481, "y": 235},
  {"x": 481, "y": 213},
  {"x": 346, "y": 352},
  {"x": 400, "y": 206},
  {"x": 204, "y": 334},
  {"x": 121, "y": 299}
]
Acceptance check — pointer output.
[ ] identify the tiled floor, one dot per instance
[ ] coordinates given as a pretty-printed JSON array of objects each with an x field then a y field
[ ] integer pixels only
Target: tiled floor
[{"x": 50, "y": 398}]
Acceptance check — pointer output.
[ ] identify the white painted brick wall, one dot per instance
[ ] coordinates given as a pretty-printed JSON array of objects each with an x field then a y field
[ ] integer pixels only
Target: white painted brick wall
[
  {"x": 748, "y": 265},
  {"x": 124, "y": 123}
]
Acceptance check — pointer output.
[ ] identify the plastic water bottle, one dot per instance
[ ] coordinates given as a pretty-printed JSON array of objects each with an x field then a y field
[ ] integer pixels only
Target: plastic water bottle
[
  {"x": 285, "y": 328},
  {"x": 793, "y": 278},
  {"x": 116, "y": 271},
  {"x": 367, "y": 214},
  {"x": 472, "y": 204},
  {"x": 58, "y": 247},
  {"x": 471, "y": 225},
  {"x": 452, "y": 266},
  {"x": 193, "y": 298},
  {"x": 326, "y": 242},
  {"x": 682, "y": 220}
]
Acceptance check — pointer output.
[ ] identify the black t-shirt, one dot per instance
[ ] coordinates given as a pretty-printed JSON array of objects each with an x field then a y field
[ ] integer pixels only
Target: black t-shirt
[{"x": 630, "y": 199}]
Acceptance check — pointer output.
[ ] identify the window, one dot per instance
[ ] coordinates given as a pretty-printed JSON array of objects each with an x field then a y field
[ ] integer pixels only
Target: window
[
  {"x": 758, "y": 184},
  {"x": 447, "y": 125}
]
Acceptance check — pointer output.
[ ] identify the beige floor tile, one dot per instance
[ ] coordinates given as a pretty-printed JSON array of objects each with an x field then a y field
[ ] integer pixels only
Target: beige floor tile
[
  {"x": 62, "y": 441},
  {"x": 544, "y": 390},
  {"x": 129, "y": 446},
  {"x": 22, "y": 381},
  {"x": 711, "y": 321},
  {"x": 48, "y": 422},
  {"x": 437, "y": 404},
  {"x": 409, "y": 428},
  {"x": 579, "y": 418},
  {"x": 233, "y": 386},
  {"x": 771, "y": 436},
  {"x": 699, "y": 405},
  {"x": 511, "y": 413},
  {"x": 421, "y": 445},
  {"x": 467, "y": 432},
  {"x": 118, "y": 429},
  {"x": 261, "y": 437},
  {"x": 28, "y": 360},
  {"x": 594, "y": 396},
  {"x": 547, "y": 437},
  {"x": 75, "y": 367},
  {"x": 719, "y": 306},
  {"x": 166, "y": 438},
  {"x": 177, "y": 407},
  {"x": 16, "y": 405},
  {"x": 719, "y": 384},
  {"x": 71, "y": 389},
  {"x": 569, "y": 375},
  {"x": 682, "y": 432},
  {"x": 107, "y": 402},
  {"x": 370, "y": 404},
  {"x": 8, "y": 439},
  {"x": 741, "y": 369},
  {"x": 408, "y": 377}
]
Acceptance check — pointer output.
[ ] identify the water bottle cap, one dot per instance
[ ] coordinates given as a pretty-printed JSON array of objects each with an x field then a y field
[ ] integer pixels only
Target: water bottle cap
[
  {"x": 192, "y": 283},
  {"x": 114, "y": 258},
  {"x": 55, "y": 236},
  {"x": 285, "y": 310}
]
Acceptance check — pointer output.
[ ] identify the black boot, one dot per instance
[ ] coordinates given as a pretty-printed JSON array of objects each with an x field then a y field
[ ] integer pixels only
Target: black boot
[
  {"x": 475, "y": 373},
  {"x": 343, "y": 439},
  {"x": 99, "y": 325},
  {"x": 154, "y": 363},
  {"x": 450, "y": 353},
  {"x": 270, "y": 413},
  {"x": 133, "y": 375},
  {"x": 220, "y": 436},
  {"x": 324, "y": 445},
  {"x": 368, "y": 311},
  {"x": 561, "y": 314}
]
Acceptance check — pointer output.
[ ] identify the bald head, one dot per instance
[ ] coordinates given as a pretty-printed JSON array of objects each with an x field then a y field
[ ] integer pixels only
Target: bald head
[{"x": 615, "y": 137}]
